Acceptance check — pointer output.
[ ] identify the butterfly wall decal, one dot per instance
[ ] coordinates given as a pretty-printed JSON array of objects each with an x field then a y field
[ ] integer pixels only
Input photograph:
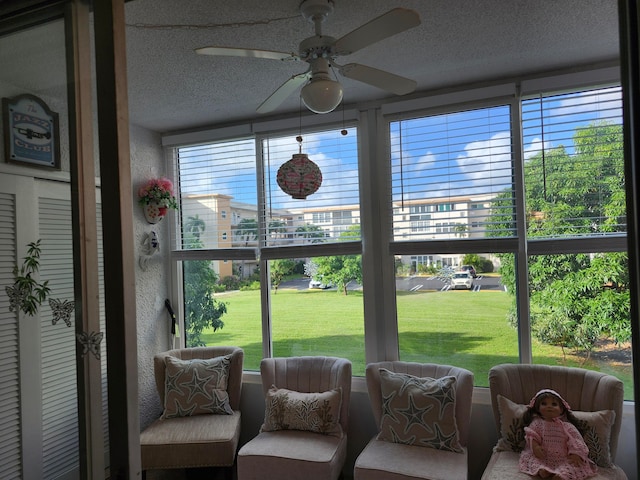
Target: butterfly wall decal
[
  {"x": 61, "y": 310},
  {"x": 90, "y": 343},
  {"x": 16, "y": 296}
]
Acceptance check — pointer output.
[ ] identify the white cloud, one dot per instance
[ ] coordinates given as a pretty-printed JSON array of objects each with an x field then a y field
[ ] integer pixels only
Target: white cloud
[
  {"x": 534, "y": 147},
  {"x": 608, "y": 100}
]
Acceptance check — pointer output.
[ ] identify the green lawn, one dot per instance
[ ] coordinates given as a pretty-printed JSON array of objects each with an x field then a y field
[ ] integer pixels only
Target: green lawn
[{"x": 461, "y": 328}]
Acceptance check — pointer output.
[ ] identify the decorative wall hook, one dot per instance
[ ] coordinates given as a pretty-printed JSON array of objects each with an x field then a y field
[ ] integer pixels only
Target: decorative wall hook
[{"x": 150, "y": 246}]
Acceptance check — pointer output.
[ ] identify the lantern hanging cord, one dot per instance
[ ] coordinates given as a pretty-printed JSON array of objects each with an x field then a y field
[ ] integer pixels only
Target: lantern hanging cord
[{"x": 401, "y": 169}]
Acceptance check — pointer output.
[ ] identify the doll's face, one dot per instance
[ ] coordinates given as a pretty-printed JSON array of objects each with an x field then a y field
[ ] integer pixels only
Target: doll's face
[{"x": 550, "y": 407}]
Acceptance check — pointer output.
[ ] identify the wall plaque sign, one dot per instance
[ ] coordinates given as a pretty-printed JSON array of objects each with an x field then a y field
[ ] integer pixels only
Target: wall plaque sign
[{"x": 31, "y": 135}]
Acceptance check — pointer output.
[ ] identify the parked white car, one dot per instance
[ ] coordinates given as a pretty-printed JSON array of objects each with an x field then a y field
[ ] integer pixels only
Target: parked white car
[
  {"x": 318, "y": 284},
  {"x": 462, "y": 280}
]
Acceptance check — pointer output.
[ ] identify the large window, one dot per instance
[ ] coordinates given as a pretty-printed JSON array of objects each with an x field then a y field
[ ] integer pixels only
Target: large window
[
  {"x": 448, "y": 172},
  {"x": 291, "y": 266},
  {"x": 572, "y": 305},
  {"x": 501, "y": 225},
  {"x": 575, "y": 217}
]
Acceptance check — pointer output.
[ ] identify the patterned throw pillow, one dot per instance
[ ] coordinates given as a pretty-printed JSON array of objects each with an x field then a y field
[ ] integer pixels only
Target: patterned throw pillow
[
  {"x": 596, "y": 430},
  {"x": 311, "y": 412},
  {"x": 511, "y": 426},
  {"x": 195, "y": 387},
  {"x": 419, "y": 411}
]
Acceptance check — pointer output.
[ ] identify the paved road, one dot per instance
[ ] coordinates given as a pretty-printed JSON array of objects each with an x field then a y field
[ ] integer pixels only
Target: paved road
[
  {"x": 432, "y": 283},
  {"x": 411, "y": 283}
]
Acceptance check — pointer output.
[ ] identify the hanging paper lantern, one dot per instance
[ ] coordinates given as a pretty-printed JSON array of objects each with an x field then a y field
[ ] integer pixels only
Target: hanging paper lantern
[{"x": 299, "y": 177}]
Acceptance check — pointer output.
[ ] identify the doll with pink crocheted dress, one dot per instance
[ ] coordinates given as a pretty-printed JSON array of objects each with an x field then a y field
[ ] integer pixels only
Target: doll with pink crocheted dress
[{"x": 554, "y": 446}]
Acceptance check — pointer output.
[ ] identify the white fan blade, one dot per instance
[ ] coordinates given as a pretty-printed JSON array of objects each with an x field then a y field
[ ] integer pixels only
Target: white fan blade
[
  {"x": 283, "y": 92},
  {"x": 378, "y": 78},
  {"x": 246, "y": 52},
  {"x": 386, "y": 25}
]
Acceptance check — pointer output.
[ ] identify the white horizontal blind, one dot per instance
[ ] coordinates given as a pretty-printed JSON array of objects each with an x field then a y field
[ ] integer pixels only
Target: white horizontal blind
[
  {"x": 332, "y": 213},
  {"x": 10, "y": 438},
  {"x": 574, "y": 169},
  {"x": 452, "y": 176},
  {"x": 217, "y": 191}
]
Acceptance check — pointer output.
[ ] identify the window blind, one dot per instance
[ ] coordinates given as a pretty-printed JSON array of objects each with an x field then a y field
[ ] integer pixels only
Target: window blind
[
  {"x": 217, "y": 190},
  {"x": 332, "y": 213},
  {"x": 574, "y": 172},
  {"x": 452, "y": 175}
]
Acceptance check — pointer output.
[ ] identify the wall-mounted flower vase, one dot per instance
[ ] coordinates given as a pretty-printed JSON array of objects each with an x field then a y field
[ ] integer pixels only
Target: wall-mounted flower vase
[
  {"x": 154, "y": 212},
  {"x": 156, "y": 198}
]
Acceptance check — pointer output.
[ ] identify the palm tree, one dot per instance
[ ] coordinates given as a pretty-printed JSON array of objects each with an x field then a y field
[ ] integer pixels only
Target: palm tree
[
  {"x": 193, "y": 227},
  {"x": 461, "y": 229}
]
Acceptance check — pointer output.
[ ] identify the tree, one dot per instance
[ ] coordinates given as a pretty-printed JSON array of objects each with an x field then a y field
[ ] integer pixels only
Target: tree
[
  {"x": 201, "y": 309},
  {"x": 311, "y": 233},
  {"x": 461, "y": 230},
  {"x": 277, "y": 229},
  {"x": 246, "y": 233},
  {"x": 278, "y": 269},
  {"x": 339, "y": 270},
  {"x": 577, "y": 299}
]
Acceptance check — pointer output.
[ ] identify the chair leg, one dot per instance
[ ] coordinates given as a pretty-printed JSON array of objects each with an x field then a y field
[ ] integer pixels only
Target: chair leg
[{"x": 228, "y": 473}]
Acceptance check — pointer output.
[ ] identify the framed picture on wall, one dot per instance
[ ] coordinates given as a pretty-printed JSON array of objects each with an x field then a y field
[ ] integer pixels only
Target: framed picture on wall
[{"x": 31, "y": 132}]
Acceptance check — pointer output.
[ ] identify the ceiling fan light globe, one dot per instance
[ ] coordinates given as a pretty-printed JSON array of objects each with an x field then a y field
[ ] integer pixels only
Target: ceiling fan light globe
[{"x": 321, "y": 95}]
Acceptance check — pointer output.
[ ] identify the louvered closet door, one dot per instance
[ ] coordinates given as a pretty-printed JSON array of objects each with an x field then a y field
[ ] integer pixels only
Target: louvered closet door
[
  {"x": 10, "y": 441},
  {"x": 38, "y": 398},
  {"x": 59, "y": 393},
  {"x": 59, "y": 390}
]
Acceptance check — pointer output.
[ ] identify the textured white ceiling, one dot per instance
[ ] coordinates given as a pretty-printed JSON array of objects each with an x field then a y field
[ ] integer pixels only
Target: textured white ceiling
[
  {"x": 457, "y": 42},
  {"x": 171, "y": 88}
]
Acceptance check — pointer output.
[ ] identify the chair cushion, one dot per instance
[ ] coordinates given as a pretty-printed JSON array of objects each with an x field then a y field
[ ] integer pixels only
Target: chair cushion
[
  {"x": 503, "y": 465},
  {"x": 202, "y": 440},
  {"x": 292, "y": 454},
  {"x": 596, "y": 427},
  {"x": 312, "y": 412},
  {"x": 419, "y": 411},
  {"x": 196, "y": 387},
  {"x": 382, "y": 460}
]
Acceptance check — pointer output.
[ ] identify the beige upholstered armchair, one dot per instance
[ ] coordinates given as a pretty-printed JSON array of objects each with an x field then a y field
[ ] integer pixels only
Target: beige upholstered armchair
[
  {"x": 199, "y": 390},
  {"x": 304, "y": 434},
  {"x": 423, "y": 413},
  {"x": 595, "y": 399}
]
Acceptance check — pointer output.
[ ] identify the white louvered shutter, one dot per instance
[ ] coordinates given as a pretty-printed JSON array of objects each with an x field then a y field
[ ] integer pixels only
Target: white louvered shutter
[{"x": 10, "y": 439}]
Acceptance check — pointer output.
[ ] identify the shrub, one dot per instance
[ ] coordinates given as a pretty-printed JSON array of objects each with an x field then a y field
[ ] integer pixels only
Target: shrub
[{"x": 231, "y": 282}]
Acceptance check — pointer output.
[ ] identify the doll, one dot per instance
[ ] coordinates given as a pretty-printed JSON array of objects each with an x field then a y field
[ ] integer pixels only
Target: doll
[{"x": 554, "y": 446}]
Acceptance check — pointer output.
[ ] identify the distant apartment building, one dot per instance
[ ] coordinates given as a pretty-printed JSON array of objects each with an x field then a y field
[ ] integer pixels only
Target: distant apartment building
[{"x": 230, "y": 224}]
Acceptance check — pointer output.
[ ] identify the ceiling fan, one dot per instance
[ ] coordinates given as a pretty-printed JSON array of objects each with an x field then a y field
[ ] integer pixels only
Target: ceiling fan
[{"x": 321, "y": 94}]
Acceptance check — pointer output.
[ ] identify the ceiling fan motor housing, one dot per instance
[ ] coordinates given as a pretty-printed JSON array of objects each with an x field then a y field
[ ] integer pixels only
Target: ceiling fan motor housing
[
  {"x": 316, "y": 10},
  {"x": 318, "y": 46}
]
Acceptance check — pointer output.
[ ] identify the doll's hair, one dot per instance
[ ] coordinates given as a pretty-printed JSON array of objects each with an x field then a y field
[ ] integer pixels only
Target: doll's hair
[{"x": 534, "y": 411}]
